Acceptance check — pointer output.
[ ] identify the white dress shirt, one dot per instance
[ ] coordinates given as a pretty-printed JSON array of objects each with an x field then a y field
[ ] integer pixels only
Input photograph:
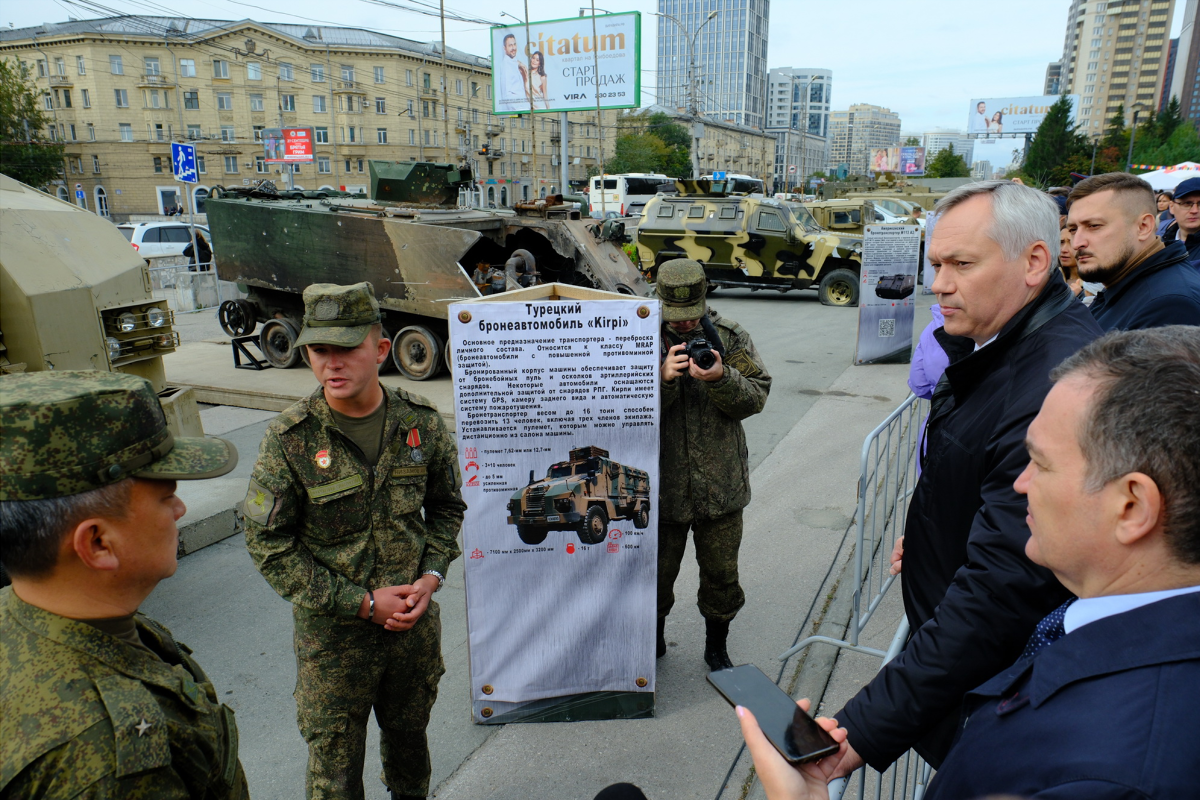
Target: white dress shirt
[{"x": 1090, "y": 609}]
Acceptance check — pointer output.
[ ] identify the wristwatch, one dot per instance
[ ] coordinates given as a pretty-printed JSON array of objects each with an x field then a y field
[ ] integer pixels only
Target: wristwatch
[{"x": 441, "y": 578}]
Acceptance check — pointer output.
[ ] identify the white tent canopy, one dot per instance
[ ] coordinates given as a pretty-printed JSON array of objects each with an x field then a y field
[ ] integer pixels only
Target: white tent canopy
[{"x": 1168, "y": 178}]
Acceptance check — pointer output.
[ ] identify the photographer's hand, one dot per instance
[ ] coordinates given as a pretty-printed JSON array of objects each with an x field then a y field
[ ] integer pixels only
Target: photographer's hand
[
  {"x": 713, "y": 373},
  {"x": 675, "y": 364}
]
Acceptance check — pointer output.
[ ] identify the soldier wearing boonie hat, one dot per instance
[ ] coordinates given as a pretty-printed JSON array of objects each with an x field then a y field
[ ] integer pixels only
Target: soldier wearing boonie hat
[
  {"x": 94, "y": 696},
  {"x": 705, "y": 472},
  {"x": 334, "y": 523}
]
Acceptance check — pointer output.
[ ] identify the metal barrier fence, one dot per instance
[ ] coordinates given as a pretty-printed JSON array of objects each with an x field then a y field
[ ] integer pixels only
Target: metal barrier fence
[{"x": 185, "y": 287}]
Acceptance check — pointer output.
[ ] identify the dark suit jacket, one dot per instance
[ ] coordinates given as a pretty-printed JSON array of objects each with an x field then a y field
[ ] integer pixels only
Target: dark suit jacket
[
  {"x": 1111, "y": 710},
  {"x": 1164, "y": 290}
]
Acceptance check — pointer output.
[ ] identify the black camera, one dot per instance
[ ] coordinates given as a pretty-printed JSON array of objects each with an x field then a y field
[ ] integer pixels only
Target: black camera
[{"x": 701, "y": 353}]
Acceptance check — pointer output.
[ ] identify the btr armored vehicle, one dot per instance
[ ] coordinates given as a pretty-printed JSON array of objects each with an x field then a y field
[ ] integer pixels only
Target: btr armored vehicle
[
  {"x": 752, "y": 242},
  {"x": 581, "y": 494}
]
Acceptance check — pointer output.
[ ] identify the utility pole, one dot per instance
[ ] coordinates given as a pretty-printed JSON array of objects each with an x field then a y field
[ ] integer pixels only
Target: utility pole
[{"x": 445, "y": 90}]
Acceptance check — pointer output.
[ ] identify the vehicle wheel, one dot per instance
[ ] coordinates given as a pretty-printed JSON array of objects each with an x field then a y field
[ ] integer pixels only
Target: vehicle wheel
[
  {"x": 532, "y": 535},
  {"x": 417, "y": 353},
  {"x": 388, "y": 364},
  {"x": 641, "y": 517},
  {"x": 448, "y": 358},
  {"x": 594, "y": 528},
  {"x": 839, "y": 288},
  {"x": 237, "y": 317},
  {"x": 278, "y": 343}
]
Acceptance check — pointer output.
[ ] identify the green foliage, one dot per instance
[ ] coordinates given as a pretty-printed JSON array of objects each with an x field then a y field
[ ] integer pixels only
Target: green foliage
[
  {"x": 652, "y": 143},
  {"x": 638, "y": 152},
  {"x": 947, "y": 164},
  {"x": 25, "y": 157},
  {"x": 912, "y": 141},
  {"x": 1182, "y": 145},
  {"x": 1115, "y": 134}
]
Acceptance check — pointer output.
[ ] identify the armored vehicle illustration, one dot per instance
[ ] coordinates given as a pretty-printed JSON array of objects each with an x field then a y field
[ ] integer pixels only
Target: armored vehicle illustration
[
  {"x": 752, "y": 242},
  {"x": 413, "y": 244},
  {"x": 895, "y": 287},
  {"x": 581, "y": 494}
]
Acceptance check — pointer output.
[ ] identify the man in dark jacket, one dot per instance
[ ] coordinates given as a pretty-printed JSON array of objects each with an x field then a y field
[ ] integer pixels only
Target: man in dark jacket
[
  {"x": 1184, "y": 225},
  {"x": 971, "y": 596},
  {"x": 1146, "y": 284}
]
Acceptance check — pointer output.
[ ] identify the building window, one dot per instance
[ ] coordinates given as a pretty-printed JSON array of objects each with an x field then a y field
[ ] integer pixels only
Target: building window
[
  {"x": 379, "y": 74},
  {"x": 458, "y": 87},
  {"x": 191, "y": 100},
  {"x": 347, "y": 74},
  {"x": 253, "y": 71},
  {"x": 318, "y": 73},
  {"x": 66, "y": 94},
  {"x": 91, "y": 129},
  {"x": 224, "y": 101},
  {"x": 152, "y": 67},
  {"x": 318, "y": 104},
  {"x": 200, "y": 165},
  {"x": 228, "y": 134},
  {"x": 408, "y": 77},
  {"x": 160, "y": 134},
  {"x": 258, "y": 130},
  {"x": 321, "y": 135},
  {"x": 256, "y": 102},
  {"x": 187, "y": 67},
  {"x": 122, "y": 98},
  {"x": 260, "y": 165},
  {"x": 289, "y": 102},
  {"x": 220, "y": 68},
  {"x": 158, "y": 165},
  {"x": 380, "y": 135},
  {"x": 193, "y": 132},
  {"x": 87, "y": 98},
  {"x": 231, "y": 164},
  {"x": 126, "y": 131},
  {"x": 323, "y": 165},
  {"x": 152, "y": 99},
  {"x": 114, "y": 65},
  {"x": 380, "y": 105},
  {"x": 285, "y": 71},
  {"x": 80, "y": 65},
  {"x": 347, "y": 166},
  {"x": 412, "y": 136}
]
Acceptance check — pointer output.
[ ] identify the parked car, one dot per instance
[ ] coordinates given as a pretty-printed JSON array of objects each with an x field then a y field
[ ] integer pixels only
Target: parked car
[{"x": 160, "y": 239}]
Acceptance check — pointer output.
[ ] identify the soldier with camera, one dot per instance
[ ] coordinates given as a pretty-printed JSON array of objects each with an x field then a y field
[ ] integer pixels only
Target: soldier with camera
[{"x": 712, "y": 379}]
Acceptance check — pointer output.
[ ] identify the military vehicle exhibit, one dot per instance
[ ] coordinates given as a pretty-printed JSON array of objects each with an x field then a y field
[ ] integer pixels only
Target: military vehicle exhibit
[
  {"x": 895, "y": 287},
  {"x": 75, "y": 295},
  {"x": 582, "y": 494},
  {"x": 749, "y": 242},
  {"x": 411, "y": 242}
]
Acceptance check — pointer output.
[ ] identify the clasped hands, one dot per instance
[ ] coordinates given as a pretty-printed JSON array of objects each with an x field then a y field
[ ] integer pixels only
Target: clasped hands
[{"x": 397, "y": 608}]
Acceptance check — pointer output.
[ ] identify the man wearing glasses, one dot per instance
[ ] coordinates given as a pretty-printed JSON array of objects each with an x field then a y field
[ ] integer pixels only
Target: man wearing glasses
[{"x": 1148, "y": 282}]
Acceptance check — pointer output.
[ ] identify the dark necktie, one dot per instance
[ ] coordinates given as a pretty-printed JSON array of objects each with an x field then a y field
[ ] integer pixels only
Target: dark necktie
[{"x": 1049, "y": 630}]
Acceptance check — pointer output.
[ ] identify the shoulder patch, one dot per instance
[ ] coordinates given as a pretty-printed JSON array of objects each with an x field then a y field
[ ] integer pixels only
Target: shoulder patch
[
  {"x": 139, "y": 725},
  {"x": 415, "y": 399},
  {"x": 259, "y": 503},
  {"x": 743, "y": 363}
]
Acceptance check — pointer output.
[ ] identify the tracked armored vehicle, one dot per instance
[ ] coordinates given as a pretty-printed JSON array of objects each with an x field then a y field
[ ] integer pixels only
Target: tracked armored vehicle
[
  {"x": 582, "y": 494},
  {"x": 413, "y": 244}
]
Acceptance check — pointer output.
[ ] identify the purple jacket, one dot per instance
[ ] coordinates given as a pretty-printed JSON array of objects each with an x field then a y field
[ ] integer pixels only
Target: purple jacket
[{"x": 930, "y": 360}]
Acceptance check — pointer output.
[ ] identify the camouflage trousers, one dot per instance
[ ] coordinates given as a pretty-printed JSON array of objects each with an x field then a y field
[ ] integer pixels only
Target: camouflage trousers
[
  {"x": 345, "y": 667},
  {"x": 717, "y": 542}
]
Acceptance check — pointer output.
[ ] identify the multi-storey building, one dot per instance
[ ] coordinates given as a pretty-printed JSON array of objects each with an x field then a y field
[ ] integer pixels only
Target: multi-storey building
[
  {"x": 1114, "y": 56},
  {"x": 1053, "y": 83},
  {"x": 119, "y": 91},
  {"x": 981, "y": 170},
  {"x": 938, "y": 140},
  {"x": 1185, "y": 80},
  {"x": 798, "y": 103},
  {"x": 855, "y": 132},
  {"x": 725, "y": 78}
]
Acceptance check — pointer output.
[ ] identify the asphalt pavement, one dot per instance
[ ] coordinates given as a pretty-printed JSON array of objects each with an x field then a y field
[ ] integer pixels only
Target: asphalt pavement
[{"x": 804, "y": 458}]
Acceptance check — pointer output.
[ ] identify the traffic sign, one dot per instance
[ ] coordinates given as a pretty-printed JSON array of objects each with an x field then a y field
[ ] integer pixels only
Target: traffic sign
[
  {"x": 79, "y": 194},
  {"x": 719, "y": 175},
  {"x": 791, "y": 169},
  {"x": 183, "y": 162}
]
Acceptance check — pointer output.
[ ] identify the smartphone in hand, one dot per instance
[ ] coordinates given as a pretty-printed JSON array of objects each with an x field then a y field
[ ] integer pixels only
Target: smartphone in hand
[{"x": 795, "y": 735}]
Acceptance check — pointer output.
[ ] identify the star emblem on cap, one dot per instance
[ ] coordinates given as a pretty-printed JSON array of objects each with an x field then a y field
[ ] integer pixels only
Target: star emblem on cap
[{"x": 142, "y": 727}]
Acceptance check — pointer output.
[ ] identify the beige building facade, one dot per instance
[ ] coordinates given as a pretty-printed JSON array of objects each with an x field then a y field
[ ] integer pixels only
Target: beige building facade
[
  {"x": 855, "y": 132},
  {"x": 119, "y": 91}
]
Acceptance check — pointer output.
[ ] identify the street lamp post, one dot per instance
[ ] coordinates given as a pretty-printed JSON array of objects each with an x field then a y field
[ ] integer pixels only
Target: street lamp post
[
  {"x": 693, "y": 107},
  {"x": 1132, "y": 135}
]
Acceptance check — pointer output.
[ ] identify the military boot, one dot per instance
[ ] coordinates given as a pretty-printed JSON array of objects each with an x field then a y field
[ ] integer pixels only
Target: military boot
[
  {"x": 716, "y": 633},
  {"x": 660, "y": 643}
]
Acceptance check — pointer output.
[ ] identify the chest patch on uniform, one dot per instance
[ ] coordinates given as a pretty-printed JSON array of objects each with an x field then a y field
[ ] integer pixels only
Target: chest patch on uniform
[
  {"x": 323, "y": 460},
  {"x": 259, "y": 503},
  {"x": 409, "y": 472},
  {"x": 743, "y": 363}
]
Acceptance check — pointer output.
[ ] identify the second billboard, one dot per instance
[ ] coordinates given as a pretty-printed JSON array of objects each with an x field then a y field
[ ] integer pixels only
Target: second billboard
[{"x": 1000, "y": 115}]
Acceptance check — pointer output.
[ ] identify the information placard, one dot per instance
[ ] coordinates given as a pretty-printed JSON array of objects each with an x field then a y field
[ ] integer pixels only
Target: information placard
[
  {"x": 557, "y": 404},
  {"x": 885, "y": 304}
]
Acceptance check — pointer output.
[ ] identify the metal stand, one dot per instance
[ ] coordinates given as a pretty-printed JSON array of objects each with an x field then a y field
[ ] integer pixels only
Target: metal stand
[{"x": 239, "y": 350}]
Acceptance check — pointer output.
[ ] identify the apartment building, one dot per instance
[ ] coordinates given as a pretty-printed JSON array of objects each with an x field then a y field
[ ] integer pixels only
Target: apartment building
[
  {"x": 798, "y": 104},
  {"x": 1115, "y": 54},
  {"x": 936, "y": 141},
  {"x": 119, "y": 91},
  {"x": 855, "y": 132}
]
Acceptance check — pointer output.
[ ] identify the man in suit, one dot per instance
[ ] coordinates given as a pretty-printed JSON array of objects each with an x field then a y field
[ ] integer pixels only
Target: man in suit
[{"x": 1103, "y": 702}]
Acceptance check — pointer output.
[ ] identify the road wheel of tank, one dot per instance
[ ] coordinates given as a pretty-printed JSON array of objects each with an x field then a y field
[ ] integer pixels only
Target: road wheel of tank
[
  {"x": 278, "y": 343},
  {"x": 594, "y": 528},
  {"x": 237, "y": 317},
  {"x": 839, "y": 288},
  {"x": 417, "y": 353},
  {"x": 388, "y": 364},
  {"x": 641, "y": 517},
  {"x": 532, "y": 535}
]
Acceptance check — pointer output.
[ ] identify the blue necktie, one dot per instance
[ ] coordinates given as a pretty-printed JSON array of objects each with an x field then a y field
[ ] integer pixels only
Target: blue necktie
[{"x": 1049, "y": 630}]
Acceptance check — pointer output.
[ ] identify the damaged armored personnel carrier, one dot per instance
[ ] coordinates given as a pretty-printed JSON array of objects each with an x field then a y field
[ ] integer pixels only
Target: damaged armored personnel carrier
[{"x": 413, "y": 244}]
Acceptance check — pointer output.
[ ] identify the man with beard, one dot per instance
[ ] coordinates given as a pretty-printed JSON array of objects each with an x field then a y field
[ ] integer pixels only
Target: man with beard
[{"x": 1147, "y": 284}]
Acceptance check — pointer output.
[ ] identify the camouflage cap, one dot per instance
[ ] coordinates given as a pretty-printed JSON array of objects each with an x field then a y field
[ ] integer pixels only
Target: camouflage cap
[
  {"x": 341, "y": 315},
  {"x": 69, "y": 432},
  {"x": 681, "y": 286}
]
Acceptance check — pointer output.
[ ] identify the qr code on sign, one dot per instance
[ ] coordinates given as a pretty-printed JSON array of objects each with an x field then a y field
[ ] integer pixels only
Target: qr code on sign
[{"x": 887, "y": 327}]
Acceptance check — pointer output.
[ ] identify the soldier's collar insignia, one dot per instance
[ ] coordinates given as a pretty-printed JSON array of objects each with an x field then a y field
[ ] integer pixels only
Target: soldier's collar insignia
[
  {"x": 323, "y": 460},
  {"x": 142, "y": 727}
]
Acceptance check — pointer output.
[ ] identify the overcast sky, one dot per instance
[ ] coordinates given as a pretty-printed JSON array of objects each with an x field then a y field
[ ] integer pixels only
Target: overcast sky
[{"x": 924, "y": 59}]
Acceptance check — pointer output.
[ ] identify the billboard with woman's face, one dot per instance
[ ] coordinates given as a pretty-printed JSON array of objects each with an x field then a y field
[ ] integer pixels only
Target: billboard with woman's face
[{"x": 997, "y": 116}]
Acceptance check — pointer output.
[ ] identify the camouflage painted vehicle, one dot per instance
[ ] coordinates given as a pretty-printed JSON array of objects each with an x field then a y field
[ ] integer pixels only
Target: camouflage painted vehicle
[
  {"x": 750, "y": 242},
  {"x": 582, "y": 494},
  {"x": 408, "y": 239},
  {"x": 844, "y": 216}
]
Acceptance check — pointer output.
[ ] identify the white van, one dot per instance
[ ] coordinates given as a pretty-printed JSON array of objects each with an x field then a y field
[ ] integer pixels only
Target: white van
[{"x": 625, "y": 194}]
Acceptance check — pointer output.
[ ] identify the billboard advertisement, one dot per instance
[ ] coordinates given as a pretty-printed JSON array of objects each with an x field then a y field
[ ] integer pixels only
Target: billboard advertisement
[
  {"x": 912, "y": 161},
  {"x": 885, "y": 159},
  {"x": 552, "y": 66},
  {"x": 1004, "y": 115},
  {"x": 286, "y": 145}
]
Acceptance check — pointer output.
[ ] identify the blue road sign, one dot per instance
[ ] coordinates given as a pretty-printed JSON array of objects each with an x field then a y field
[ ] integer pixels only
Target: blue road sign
[
  {"x": 719, "y": 175},
  {"x": 183, "y": 162},
  {"x": 79, "y": 194}
]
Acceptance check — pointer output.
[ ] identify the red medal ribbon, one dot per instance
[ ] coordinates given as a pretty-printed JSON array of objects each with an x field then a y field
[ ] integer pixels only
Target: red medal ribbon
[{"x": 414, "y": 438}]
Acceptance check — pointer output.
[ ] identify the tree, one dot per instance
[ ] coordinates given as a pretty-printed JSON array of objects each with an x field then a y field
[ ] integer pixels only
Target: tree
[
  {"x": 946, "y": 164},
  {"x": 1182, "y": 145},
  {"x": 1055, "y": 147},
  {"x": 912, "y": 141},
  {"x": 24, "y": 155},
  {"x": 1115, "y": 134},
  {"x": 638, "y": 152},
  {"x": 652, "y": 143}
]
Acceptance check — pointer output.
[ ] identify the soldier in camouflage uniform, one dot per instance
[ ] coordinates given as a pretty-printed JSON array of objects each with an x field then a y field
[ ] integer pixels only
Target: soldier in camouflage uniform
[
  {"x": 704, "y": 471},
  {"x": 97, "y": 700},
  {"x": 334, "y": 523}
]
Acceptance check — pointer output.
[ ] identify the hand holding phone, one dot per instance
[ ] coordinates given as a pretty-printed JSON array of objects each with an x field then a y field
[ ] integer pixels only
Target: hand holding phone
[{"x": 795, "y": 734}]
